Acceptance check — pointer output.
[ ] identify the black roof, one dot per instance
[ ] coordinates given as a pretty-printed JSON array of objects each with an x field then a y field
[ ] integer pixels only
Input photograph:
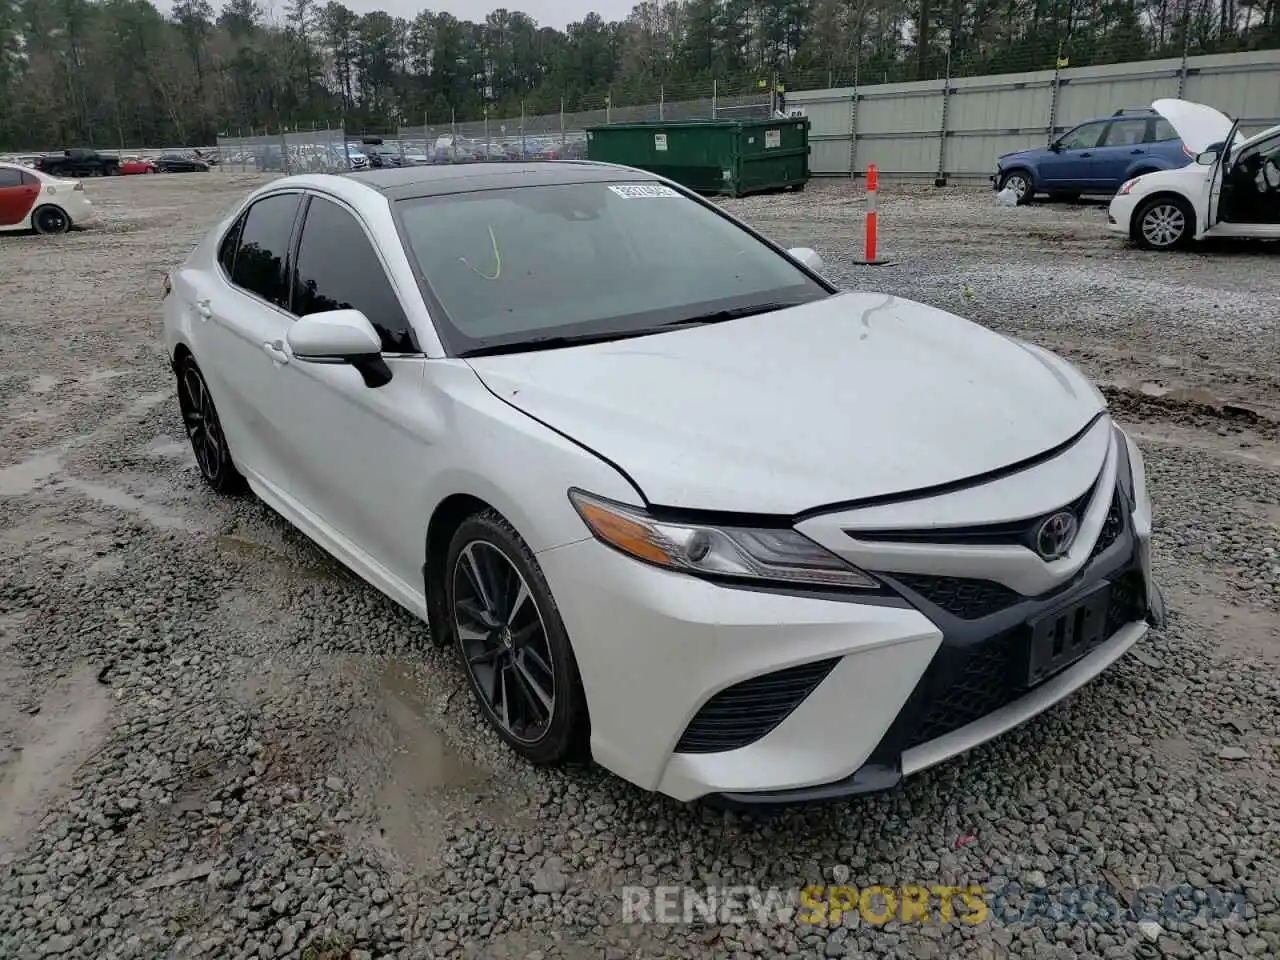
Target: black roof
[{"x": 433, "y": 180}]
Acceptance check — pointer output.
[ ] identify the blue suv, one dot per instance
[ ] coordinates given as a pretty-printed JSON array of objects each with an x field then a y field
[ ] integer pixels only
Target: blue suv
[{"x": 1096, "y": 157}]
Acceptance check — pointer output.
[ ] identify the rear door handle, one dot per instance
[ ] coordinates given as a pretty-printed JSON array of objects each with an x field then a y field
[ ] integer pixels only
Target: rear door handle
[
  {"x": 1137, "y": 151},
  {"x": 203, "y": 308},
  {"x": 275, "y": 350},
  {"x": 1086, "y": 154}
]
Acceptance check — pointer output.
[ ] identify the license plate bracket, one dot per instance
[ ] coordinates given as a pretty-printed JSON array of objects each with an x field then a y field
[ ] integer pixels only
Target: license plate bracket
[{"x": 1061, "y": 637}]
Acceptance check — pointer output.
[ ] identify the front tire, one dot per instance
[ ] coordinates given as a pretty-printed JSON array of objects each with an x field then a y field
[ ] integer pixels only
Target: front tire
[
  {"x": 1022, "y": 186},
  {"x": 512, "y": 642},
  {"x": 204, "y": 430},
  {"x": 1163, "y": 223},
  {"x": 50, "y": 220}
]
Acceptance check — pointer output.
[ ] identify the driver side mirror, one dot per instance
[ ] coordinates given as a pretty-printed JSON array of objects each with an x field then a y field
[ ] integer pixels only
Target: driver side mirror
[
  {"x": 1056, "y": 146},
  {"x": 1207, "y": 158},
  {"x": 808, "y": 257},
  {"x": 340, "y": 337}
]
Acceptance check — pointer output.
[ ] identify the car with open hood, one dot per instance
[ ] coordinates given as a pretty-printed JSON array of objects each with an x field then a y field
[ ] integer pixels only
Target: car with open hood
[
  {"x": 678, "y": 503},
  {"x": 1231, "y": 190}
]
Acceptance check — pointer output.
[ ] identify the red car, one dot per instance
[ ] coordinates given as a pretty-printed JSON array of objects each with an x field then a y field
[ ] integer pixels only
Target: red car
[{"x": 136, "y": 165}]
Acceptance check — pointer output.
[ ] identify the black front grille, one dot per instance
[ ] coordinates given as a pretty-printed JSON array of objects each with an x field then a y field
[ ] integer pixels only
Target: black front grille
[
  {"x": 962, "y": 686},
  {"x": 1019, "y": 532},
  {"x": 740, "y": 715},
  {"x": 961, "y": 597}
]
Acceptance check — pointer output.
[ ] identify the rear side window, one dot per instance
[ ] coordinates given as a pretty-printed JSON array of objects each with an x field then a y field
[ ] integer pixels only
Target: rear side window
[
  {"x": 227, "y": 252},
  {"x": 339, "y": 270},
  {"x": 1163, "y": 130},
  {"x": 29, "y": 179},
  {"x": 1125, "y": 133},
  {"x": 264, "y": 248}
]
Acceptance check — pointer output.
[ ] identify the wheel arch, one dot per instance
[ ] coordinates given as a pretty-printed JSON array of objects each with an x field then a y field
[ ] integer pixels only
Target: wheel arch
[
  {"x": 1164, "y": 194},
  {"x": 446, "y": 518}
]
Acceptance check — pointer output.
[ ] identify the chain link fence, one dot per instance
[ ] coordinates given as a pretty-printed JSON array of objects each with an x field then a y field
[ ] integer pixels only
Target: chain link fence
[
  {"x": 553, "y": 136},
  {"x": 300, "y": 151}
]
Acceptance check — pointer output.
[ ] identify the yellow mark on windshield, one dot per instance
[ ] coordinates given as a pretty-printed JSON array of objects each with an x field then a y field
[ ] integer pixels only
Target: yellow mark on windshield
[{"x": 497, "y": 260}]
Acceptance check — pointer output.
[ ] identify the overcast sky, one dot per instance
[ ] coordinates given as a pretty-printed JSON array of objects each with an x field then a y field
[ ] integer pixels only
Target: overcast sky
[{"x": 548, "y": 13}]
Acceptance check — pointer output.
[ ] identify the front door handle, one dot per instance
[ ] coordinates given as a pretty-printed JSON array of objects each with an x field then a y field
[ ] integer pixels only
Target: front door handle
[
  {"x": 275, "y": 350},
  {"x": 1137, "y": 151},
  {"x": 1086, "y": 155}
]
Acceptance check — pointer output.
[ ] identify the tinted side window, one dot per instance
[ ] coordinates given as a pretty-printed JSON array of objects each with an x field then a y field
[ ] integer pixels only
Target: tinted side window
[
  {"x": 1081, "y": 138},
  {"x": 338, "y": 270},
  {"x": 10, "y": 177},
  {"x": 264, "y": 247},
  {"x": 1125, "y": 133},
  {"x": 227, "y": 251},
  {"x": 1163, "y": 131},
  {"x": 30, "y": 179}
]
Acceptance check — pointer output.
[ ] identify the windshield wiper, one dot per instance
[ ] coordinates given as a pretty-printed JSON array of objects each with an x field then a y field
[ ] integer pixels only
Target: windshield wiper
[
  {"x": 733, "y": 313},
  {"x": 554, "y": 343}
]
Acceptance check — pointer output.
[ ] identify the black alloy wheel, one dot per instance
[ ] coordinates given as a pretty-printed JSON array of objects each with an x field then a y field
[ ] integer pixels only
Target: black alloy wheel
[
  {"x": 204, "y": 430},
  {"x": 50, "y": 220},
  {"x": 513, "y": 643}
]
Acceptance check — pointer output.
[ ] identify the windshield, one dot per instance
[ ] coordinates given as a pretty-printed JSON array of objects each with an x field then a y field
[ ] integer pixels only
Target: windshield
[{"x": 592, "y": 260}]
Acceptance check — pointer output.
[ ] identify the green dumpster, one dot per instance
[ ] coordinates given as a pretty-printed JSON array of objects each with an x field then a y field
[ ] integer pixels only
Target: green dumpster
[{"x": 727, "y": 157}]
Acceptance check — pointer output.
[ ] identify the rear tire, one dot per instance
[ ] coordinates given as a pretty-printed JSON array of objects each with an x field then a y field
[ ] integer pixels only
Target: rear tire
[
  {"x": 1163, "y": 223},
  {"x": 50, "y": 220},
  {"x": 204, "y": 430}
]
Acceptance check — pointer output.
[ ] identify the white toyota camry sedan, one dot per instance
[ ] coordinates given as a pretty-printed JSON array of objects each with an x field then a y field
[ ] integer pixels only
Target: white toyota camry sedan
[{"x": 679, "y": 504}]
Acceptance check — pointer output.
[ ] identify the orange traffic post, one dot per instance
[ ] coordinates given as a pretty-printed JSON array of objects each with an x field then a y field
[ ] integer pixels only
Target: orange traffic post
[{"x": 870, "y": 259}]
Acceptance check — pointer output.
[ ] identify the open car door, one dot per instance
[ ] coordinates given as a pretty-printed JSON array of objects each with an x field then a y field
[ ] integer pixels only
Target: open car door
[{"x": 1218, "y": 172}]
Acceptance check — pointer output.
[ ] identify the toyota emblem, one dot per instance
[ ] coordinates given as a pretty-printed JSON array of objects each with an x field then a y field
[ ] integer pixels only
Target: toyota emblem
[{"x": 1055, "y": 535}]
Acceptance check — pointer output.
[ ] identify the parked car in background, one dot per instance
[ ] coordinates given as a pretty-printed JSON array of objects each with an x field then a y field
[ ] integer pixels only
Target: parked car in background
[
  {"x": 176, "y": 163},
  {"x": 34, "y": 200},
  {"x": 1094, "y": 158},
  {"x": 131, "y": 166},
  {"x": 638, "y": 553},
  {"x": 356, "y": 158},
  {"x": 1231, "y": 190},
  {"x": 78, "y": 163}
]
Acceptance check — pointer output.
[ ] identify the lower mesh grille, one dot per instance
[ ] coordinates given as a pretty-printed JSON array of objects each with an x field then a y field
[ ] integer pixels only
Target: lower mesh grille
[
  {"x": 964, "y": 685},
  {"x": 740, "y": 715},
  {"x": 961, "y": 597}
]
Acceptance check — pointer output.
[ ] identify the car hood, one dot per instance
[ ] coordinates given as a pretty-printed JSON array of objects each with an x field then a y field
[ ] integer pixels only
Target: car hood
[
  {"x": 1029, "y": 152},
  {"x": 1196, "y": 124},
  {"x": 855, "y": 396}
]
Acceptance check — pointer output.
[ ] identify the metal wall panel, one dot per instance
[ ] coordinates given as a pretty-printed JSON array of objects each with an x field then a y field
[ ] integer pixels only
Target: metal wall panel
[{"x": 900, "y": 127}]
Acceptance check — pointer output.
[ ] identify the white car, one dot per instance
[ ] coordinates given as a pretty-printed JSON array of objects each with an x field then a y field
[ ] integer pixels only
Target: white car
[
  {"x": 1231, "y": 190},
  {"x": 32, "y": 200},
  {"x": 676, "y": 500}
]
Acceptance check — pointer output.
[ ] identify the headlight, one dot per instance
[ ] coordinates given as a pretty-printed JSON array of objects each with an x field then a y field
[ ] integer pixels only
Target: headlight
[
  {"x": 768, "y": 555},
  {"x": 1127, "y": 186}
]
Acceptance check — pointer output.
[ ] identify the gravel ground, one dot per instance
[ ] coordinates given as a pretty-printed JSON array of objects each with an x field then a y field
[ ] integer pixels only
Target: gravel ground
[{"x": 216, "y": 743}]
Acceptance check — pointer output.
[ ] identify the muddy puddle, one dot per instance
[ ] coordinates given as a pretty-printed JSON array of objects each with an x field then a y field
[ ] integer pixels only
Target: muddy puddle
[
  {"x": 421, "y": 783},
  {"x": 49, "y": 745}
]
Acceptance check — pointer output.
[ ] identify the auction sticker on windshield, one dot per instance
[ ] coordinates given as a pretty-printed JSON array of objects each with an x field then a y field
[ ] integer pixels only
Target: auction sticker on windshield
[{"x": 642, "y": 191}]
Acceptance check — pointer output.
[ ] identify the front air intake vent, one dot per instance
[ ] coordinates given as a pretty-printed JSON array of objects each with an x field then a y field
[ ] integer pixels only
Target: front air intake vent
[{"x": 742, "y": 714}]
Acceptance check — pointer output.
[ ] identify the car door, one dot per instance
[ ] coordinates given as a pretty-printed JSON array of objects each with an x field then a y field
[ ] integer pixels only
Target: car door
[
  {"x": 242, "y": 308},
  {"x": 353, "y": 453},
  {"x": 1068, "y": 167},
  {"x": 1123, "y": 144},
  {"x": 18, "y": 193},
  {"x": 1221, "y": 165},
  {"x": 1250, "y": 191}
]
